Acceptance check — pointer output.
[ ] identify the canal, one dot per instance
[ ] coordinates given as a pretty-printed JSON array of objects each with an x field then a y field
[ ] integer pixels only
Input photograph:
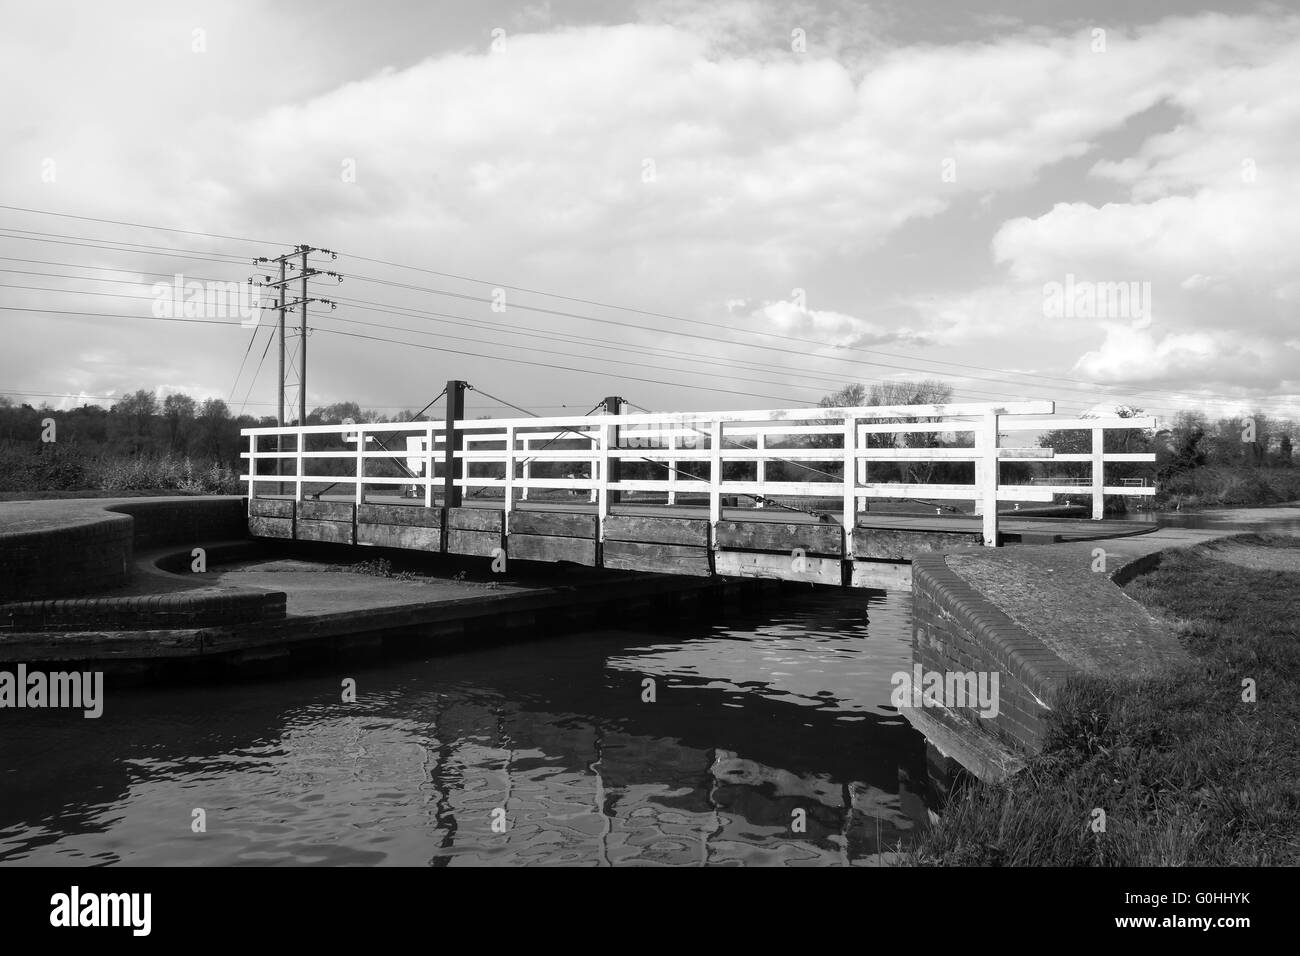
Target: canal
[{"x": 759, "y": 735}]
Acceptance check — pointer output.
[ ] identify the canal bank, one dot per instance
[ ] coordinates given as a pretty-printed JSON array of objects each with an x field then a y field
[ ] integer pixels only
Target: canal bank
[
  {"x": 1040, "y": 616},
  {"x": 1194, "y": 765},
  {"x": 170, "y": 587},
  {"x": 1037, "y": 616}
]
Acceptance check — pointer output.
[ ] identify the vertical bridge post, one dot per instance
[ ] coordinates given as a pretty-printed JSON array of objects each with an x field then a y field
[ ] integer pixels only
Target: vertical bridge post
[
  {"x": 850, "y": 477},
  {"x": 601, "y": 471},
  {"x": 299, "y": 448},
  {"x": 361, "y": 437},
  {"x": 509, "y": 490},
  {"x": 453, "y": 441},
  {"x": 673, "y": 464},
  {"x": 715, "y": 481},
  {"x": 428, "y": 465},
  {"x": 986, "y": 491},
  {"x": 252, "y": 471},
  {"x": 1098, "y": 473},
  {"x": 613, "y": 406}
]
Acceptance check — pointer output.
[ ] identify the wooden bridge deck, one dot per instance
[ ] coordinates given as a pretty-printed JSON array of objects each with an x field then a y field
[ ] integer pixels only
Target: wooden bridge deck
[{"x": 771, "y": 542}]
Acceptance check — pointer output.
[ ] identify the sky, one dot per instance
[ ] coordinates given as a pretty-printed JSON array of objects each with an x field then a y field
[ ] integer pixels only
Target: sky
[{"x": 694, "y": 206}]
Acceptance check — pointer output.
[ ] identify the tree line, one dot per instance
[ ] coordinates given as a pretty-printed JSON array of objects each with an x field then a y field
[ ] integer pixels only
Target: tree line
[{"x": 143, "y": 424}]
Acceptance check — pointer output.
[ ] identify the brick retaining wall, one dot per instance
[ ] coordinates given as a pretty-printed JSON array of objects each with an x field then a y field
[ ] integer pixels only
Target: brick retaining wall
[
  {"x": 196, "y": 608},
  {"x": 955, "y": 629},
  {"x": 89, "y": 554}
]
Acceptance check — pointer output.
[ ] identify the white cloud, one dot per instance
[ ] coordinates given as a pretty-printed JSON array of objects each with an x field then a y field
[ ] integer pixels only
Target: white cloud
[{"x": 527, "y": 166}]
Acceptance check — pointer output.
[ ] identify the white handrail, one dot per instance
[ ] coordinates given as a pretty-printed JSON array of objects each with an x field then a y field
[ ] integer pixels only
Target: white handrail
[{"x": 693, "y": 453}]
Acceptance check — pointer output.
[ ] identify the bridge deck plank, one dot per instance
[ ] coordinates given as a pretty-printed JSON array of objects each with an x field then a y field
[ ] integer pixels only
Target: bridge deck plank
[{"x": 1013, "y": 529}]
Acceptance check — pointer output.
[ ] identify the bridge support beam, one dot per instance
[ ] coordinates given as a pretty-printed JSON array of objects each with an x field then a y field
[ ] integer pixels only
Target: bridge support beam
[{"x": 454, "y": 440}]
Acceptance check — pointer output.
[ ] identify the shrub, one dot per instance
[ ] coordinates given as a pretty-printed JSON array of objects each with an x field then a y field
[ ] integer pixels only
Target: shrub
[
  {"x": 45, "y": 467},
  {"x": 167, "y": 473}
]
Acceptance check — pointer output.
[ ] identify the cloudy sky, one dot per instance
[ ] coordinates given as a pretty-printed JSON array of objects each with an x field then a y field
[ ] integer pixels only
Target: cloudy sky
[{"x": 695, "y": 205}]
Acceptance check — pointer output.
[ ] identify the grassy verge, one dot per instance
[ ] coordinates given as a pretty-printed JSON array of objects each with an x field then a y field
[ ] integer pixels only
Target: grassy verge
[{"x": 1186, "y": 771}]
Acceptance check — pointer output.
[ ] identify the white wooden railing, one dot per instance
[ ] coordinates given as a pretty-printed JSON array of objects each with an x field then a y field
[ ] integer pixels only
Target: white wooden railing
[{"x": 691, "y": 449}]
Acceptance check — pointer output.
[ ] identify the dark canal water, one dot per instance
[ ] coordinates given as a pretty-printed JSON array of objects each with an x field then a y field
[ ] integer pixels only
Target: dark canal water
[{"x": 783, "y": 708}]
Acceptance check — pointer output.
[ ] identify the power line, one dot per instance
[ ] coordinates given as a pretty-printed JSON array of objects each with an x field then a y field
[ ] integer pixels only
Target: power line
[
  {"x": 1055, "y": 380},
  {"x": 561, "y": 368},
  {"x": 138, "y": 225},
  {"x": 912, "y": 370},
  {"x": 229, "y": 260},
  {"x": 65, "y": 275},
  {"x": 247, "y": 352},
  {"x": 115, "y": 398},
  {"x": 976, "y": 393},
  {"x": 417, "y": 345},
  {"x": 30, "y": 235},
  {"x": 826, "y": 380},
  {"x": 265, "y": 351},
  {"x": 1089, "y": 386}
]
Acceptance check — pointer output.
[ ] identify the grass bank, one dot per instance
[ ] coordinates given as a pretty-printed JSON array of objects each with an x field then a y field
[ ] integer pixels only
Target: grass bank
[{"x": 1187, "y": 772}]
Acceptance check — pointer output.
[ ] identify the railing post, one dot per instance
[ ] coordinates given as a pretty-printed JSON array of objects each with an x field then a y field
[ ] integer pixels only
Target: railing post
[
  {"x": 298, "y": 455},
  {"x": 510, "y": 478},
  {"x": 1098, "y": 473},
  {"x": 986, "y": 491},
  {"x": 849, "y": 482},
  {"x": 428, "y": 465},
  {"x": 527, "y": 469},
  {"x": 614, "y": 406},
  {"x": 454, "y": 440},
  {"x": 602, "y": 482},
  {"x": 361, "y": 464},
  {"x": 715, "y": 480},
  {"x": 861, "y": 503},
  {"x": 672, "y": 468},
  {"x": 252, "y": 471},
  {"x": 760, "y": 444}
]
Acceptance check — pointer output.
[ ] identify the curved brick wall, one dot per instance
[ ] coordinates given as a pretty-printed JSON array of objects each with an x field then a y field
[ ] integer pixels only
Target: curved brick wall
[
  {"x": 163, "y": 521},
  {"x": 64, "y": 548},
  {"x": 89, "y": 552}
]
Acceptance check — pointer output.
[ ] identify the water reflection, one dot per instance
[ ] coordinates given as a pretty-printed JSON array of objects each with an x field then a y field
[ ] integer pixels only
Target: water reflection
[{"x": 778, "y": 716}]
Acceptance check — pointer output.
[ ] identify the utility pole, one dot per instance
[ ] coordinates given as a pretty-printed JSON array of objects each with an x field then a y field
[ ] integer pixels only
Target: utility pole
[
  {"x": 302, "y": 376},
  {"x": 279, "y": 411},
  {"x": 301, "y": 253}
]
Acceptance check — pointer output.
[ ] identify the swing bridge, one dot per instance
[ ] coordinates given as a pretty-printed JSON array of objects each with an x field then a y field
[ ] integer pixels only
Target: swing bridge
[{"x": 774, "y": 493}]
